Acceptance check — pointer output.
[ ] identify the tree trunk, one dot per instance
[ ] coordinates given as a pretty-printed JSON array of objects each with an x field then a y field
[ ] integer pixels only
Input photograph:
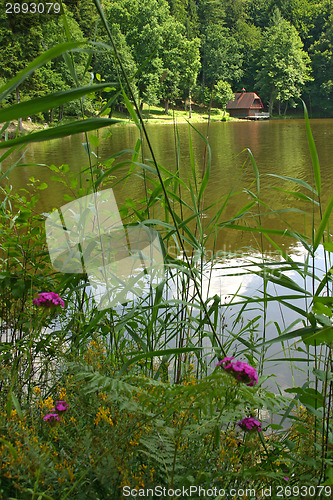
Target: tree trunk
[
  {"x": 279, "y": 108},
  {"x": 285, "y": 109},
  {"x": 141, "y": 107},
  {"x": 271, "y": 102},
  {"x": 189, "y": 98},
  {"x": 166, "y": 107},
  {"x": 18, "y": 100},
  {"x": 51, "y": 115}
]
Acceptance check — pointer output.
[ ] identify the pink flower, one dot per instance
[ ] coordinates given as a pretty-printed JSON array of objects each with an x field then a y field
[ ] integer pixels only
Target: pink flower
[
  {"x": 52, "y": 417},
  {"x": 240, "y": 371},
  {"x": 286, "y": 478},
  {"x": 250, "y": 424},
  {"x": 61, "y": 406},
  {"x": 48, "y": 299}
]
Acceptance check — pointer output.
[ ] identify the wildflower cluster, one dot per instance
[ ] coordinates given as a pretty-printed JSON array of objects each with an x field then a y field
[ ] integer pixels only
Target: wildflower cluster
[
  {"x": 250, "y": 424},
  {"x": 240, "y": 371},
  {"x": 59, "y": 407},
  {"x": 248, "y": 375},
  {"x": 48, "y": 299}
]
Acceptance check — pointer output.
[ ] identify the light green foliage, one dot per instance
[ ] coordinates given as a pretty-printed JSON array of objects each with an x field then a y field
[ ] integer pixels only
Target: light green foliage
[
  {"x": 284, "y": 66},
  {"x": 185, "y": 11},
  {"x": 223, "y": 93},
  {"x": 221, "y": 57},
  {"x": 154, "y": 39}
]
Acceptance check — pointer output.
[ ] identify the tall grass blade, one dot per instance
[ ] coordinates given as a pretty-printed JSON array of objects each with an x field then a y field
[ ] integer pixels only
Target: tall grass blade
[
  {"x": 323, "y": 224},
  {"x": 313, "y": 151},
  {"x": 49, "y": 101},
  {"x": 50, "y": 54}
]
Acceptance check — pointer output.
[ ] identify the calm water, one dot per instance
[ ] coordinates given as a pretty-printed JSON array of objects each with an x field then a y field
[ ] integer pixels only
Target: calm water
[{"x": 279, "y": 147}]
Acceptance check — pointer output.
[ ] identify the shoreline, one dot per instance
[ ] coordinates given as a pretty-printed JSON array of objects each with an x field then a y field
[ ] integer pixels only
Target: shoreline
[{"x": 124, "y": 120}]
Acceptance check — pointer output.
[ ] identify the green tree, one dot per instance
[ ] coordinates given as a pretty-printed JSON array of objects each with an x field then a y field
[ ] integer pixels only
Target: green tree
[
  {"x": 186, "y": 12},
  {"x": 85, "y": 14},
  {"x": 321, "y": 54},
  {"x": 159, "y": 46},
  {"x": 284, "y": 66},
  {"x": 222, "y": 59},
  {"x": 190, "y": 68},
  {"x": 249, "y": 38},
  {"x": 106, "y": 65},
  {"x": 223, "y": 93},
  {"x": 56, "y": 75},
  {"x": 21, "y": 41},
  {"x": 210, "y": 12}
]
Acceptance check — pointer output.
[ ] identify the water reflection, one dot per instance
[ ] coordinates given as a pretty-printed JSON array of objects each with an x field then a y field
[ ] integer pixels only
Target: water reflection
[{"x": 235, "y": 281}]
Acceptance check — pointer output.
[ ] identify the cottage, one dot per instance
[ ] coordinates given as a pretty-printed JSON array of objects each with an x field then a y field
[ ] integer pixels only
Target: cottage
[{"x": 246, "y": 105}]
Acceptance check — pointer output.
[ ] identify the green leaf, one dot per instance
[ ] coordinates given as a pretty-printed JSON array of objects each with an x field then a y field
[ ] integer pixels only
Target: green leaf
[
  {"x": 10, "y": 447},
  {"x": 94, "y": 140},
  {"x": 67, "y": 197},
  {"x": 320, "y": 308},
  {"x": 44, "y": 103},
  {"x": 37, "y": 63},
  {"x": 161, "y": 352},
  {"x": 16, "y": 404},
  {"x": 300, "y": 182},
  {"x": 323, "y": 224},
  {"x": 323, "y": 336},
  {"x": 313, "y": 151},
  {"x": 322, "y": 375},
  {"x": 328, "y": 246},
  {"x": 131, "y": 110},
  {"x": 311, "y": 397}
]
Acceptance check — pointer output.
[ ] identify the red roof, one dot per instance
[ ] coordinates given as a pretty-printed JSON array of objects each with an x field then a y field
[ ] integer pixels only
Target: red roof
[{"x": 245, "y": 100}]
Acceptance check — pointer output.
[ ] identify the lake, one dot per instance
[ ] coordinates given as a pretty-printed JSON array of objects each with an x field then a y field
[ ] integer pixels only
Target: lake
[{"x": 279, "y": 147}]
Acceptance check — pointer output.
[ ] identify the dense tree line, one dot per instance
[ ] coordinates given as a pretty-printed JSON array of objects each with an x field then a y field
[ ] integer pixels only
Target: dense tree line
[{"x": 173, "y": 50}]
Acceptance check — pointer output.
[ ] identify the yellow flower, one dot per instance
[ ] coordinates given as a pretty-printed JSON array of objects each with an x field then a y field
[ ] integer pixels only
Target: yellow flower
[
  {"x": 62, "y": 394},
  {"x": 13, "y": 414},
  {"x": 48, "y": 403},
  {"x": 103, "y": 414}
]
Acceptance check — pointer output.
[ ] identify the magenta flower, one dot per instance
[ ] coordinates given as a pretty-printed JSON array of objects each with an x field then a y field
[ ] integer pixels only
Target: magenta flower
[
  {"x": 250, "y": 424},
  {"x": 61, "y": 406},
  {"x": 52, "y": 417},
  {"x": 48, "y": 299},
  {"x": 286, "y": 478},
  {"x": 240, "y": 371}
]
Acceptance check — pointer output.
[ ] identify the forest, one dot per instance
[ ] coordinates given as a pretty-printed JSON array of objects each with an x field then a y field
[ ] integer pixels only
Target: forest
[{"x": 175, "y": 51}]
